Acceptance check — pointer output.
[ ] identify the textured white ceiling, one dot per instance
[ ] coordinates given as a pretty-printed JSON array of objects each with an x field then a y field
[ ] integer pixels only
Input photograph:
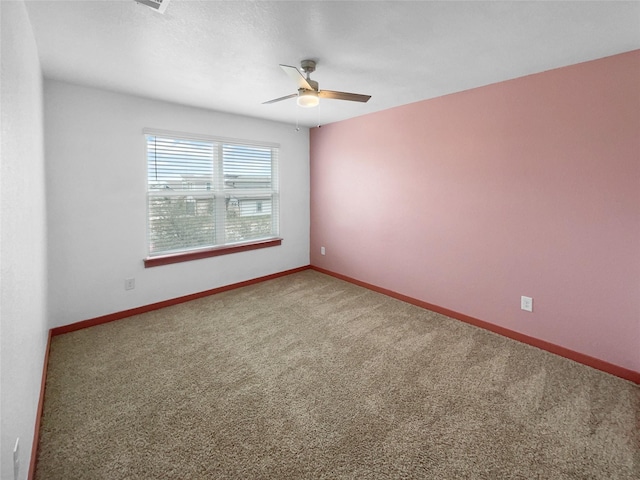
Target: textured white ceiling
[{"x": 225, "y": 55}]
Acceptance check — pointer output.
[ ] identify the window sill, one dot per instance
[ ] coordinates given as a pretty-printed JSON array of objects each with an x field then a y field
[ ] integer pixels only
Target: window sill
[{"x": 211, "y": 252}]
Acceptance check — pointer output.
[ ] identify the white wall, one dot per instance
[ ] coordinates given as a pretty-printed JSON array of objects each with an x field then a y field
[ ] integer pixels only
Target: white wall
[
  {"x": 96, "y": 180},
  {"x": 23, "y": 276}
]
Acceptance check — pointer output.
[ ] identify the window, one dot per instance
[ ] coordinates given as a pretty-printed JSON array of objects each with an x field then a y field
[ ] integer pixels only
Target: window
[{"x": 206, "y": 193}]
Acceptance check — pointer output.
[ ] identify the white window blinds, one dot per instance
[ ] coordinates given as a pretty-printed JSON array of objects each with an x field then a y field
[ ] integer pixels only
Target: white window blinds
[{"x": 207, "y": 193}]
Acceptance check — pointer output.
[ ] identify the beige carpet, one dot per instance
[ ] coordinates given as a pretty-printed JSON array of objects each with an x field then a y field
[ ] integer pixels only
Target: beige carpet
[{"x": 307, "y": 377}]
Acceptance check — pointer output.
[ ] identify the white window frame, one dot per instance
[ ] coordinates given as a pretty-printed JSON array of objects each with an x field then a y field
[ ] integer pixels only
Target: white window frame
[{"x": 220, "y": 194}]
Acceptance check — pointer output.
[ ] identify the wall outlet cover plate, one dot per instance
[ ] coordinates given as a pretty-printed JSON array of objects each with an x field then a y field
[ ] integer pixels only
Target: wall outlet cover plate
[{"x": 526, "y": 303}]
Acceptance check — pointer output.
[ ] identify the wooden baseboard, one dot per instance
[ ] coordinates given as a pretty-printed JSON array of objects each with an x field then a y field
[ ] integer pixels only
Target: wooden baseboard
[
  {"x": 166, "y": 303},
  {"x": 36, "y": 432},
  {"x": 596, "y": 363}
]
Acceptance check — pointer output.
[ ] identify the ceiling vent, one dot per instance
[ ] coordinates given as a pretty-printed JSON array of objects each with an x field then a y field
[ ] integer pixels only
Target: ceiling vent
[{"x": 157, "y": 5}]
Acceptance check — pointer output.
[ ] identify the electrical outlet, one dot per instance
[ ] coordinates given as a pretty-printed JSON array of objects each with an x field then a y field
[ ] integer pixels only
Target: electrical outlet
[
  {"x": 322, "y": 251},
  {"x": 526, "y": 304},
  {"x": 129, "y": 283},
  {"x": 16, "y": 459}
]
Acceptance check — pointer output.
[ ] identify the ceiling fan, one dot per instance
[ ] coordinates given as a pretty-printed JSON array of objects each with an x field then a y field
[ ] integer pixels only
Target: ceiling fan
[{"x": 308, "y": 93}]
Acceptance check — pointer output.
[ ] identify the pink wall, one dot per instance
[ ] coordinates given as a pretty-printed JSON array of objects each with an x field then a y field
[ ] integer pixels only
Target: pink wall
[{"x": 468, "y": 201}]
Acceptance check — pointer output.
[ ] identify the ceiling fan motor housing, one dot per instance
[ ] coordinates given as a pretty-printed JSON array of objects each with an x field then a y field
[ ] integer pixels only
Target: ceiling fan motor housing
[{"x": 309, "y": 66}]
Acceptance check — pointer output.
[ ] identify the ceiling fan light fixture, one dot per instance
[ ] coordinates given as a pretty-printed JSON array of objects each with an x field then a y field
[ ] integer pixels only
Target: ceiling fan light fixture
[{"x": 307, "y": 98}]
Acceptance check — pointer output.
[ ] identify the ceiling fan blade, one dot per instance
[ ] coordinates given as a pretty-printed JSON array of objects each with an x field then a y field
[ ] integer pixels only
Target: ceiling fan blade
[
  {"x": 353, "y": 97},
  {"x": 297, "y": 77},
  {"x": 281, "y": 98}
]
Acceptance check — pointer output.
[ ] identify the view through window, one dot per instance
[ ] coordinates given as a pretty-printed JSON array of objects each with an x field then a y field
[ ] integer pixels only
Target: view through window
[{"x": 208, "y": 193}]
